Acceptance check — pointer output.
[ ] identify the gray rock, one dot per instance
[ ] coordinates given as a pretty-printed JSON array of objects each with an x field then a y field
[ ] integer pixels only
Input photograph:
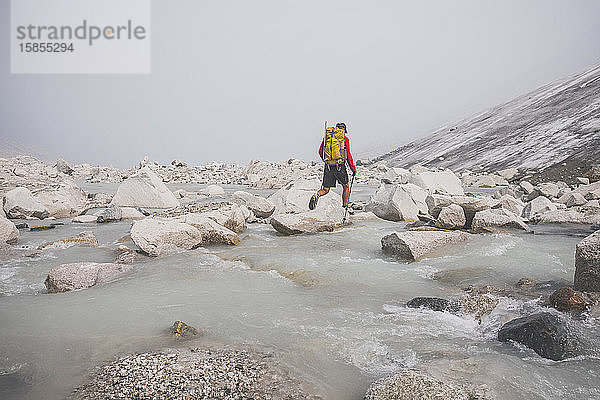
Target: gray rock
[
  {"x": 8, "y": 231},
  {"x": 130, "y": 213},
  {"x": 469, "y": 204},
  {"x": 85, "y": 219},
  {"x": 212, "y": 232},
  {"x": 19, "y": 203},
  {"x": 508, "y": 173},
  {"x": 64, "y": 167},
  {"x": 212, "y": 191},
  {"x": 544, "y": 333},
  {"x": 317, "y": 220},
  {"x": 572, "y": 216},
  {"x": 527, "y": 187},
  {"x": 432, "y": 303},
  {"x": 575, "y": 199},
  {"x": 85, "y": 238},
  {"x": 82, "y": 275},
  {"x": 497, "y": 218},
  {"x": 583, "y": 181},
  {"x": 415, "y": 245},
  {"x": 157, "y": 237},
  {"x": 231, "y": 217},
  {"x": 144, "y": 189},
  {"x": 398, "y": 202},
  {"x": 396, "y": 176},
  {"x": 294, "y": 197},
  {"x": 587, "y": 264},
  {"x": 437, "y": 181},
  {"x": 511, "y": 204},
  {"x": 111, "y": 214},
  {"x": 538, "y": 205},
  {"x": 451, "y": 217},
  {"x": 261, "y": 207},
  {"x": 66, "y": 200},
  {"x": 179, "y": 163}
]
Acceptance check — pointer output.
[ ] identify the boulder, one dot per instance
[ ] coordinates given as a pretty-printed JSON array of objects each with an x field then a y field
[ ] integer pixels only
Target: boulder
[
  {"x": 157, "y": 237},
  {"x": 317, "y": 220},
  {"x": 64, "y": 167},
  {"x": 124, "y": 255},
  {"x": 8, "y": 231},
  {"x": 538, "y": 205},
  {"x": 67, "y": 200},
  {"x": 396, "y": 175},
  {"x": 543, "y": 332},
  {"x": 432, "y": 303},
  {"x": 294, "y": 197},
  {"x": 451, "y": 217},
  {"x": 497, "y": 218},
  {"x": 231, "y": 217},
  {"x": 508, "y": 202},
  {"x": 415, "y": 245},
  {"x": 587, "y": 264},
  {"x": 261, "y": 207},
  {"x": 212, "y": 191},
  {"x": 508, "y": 173},
  {"x": 144, "y": 189},
  {"x": 130, "y": 213},
  {"x": 567, "y": 299},
  {"x": 583, "y": 181},
  {"x": 82, "y": 275},
  {"x": 19, "y": 203},
  {"x": 85, "y": 219},
  {"x": 182, "y": 330},
  {"x": 573, "y": 216},
  {"x": 527, "y": 187},
  {"x": 575, "y": 199},
  {"x": 438, "y": 182},
  {"x": 469, "y": 204},
  {"x": 86, "y": 238},
  {"x": 212, "y": 232},
  {"x": 549, "y": 190},
  {"x": 111, "y": 214},
  {"x": 415, "y": 385},
  {"x": 478, "y": 305},
  {"x": 398, "y": 202}
]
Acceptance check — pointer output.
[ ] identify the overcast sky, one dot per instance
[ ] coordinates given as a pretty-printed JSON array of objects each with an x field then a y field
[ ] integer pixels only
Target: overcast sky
[{"x": 240, "y": 80}]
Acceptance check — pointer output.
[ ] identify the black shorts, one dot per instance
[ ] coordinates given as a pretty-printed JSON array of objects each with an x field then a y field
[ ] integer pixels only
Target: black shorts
[{"x": 333, "y": 173}]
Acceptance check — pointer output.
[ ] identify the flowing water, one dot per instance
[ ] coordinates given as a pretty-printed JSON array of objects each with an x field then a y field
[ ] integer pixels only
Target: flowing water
[{"x": 332, "y": 303}]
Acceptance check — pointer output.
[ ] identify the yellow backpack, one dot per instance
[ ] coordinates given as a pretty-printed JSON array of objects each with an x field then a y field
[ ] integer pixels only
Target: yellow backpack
[{"x": 334, "y": 146}]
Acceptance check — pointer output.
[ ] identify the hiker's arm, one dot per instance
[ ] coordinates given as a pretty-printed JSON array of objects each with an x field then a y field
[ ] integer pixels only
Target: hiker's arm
[
  {"x": 349, "y": 156},
  {"x": 321, "y": 150}
]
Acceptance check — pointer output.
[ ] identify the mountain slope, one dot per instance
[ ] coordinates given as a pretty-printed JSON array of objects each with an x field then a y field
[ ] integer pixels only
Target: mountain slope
[{"x": 557, "y": 122}]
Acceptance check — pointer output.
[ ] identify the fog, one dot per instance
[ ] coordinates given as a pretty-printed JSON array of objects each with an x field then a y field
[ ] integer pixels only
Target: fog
[{"x": 234, "y": 81}]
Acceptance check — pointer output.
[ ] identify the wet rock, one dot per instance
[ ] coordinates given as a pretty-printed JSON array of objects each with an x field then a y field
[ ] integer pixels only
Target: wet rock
[
  {"x": 181, "y": 330},
  {"x": 432, "y": 303},
  {"x": 41, "y": 227},
  {"x": 587, "y": 264},
  {"x": 82, "y": 275},
  {"x": 317, "y": 220},
  {"x": 497, "y": 218},
  {"x": 567, "y": 299},
  {"x": 230, "y": 216},
  {"x": 451, "y": 217},
  {"x": 85, "y": 219},
  {"x": 86, "y": 238},
  {"x": 410, "y": 384},
  {"x": 469, "y": 204},
  {"x": 19, "y": 203},
  {"x": 8, "y": 231},
  {"x": 544, "y": 333},
  {"x": 538, "y": 205},
  {"x": 125, "y": 255},
  {"x": 478, "y": 305},
  {"x": 65, "y": 200},
  {"x": 261, "y": 207},
  {"x": 64, "y": 167},
  {"x": 398, "y": 202},
  {"x": 111, "y": 214},
  {"x": 415, "y": 245},
  {"x": 157, "y": 237},
  {"x": 526, "y": 283},
  {"x": 144, "y": 189},
  {"x": 211, "y": 231}
]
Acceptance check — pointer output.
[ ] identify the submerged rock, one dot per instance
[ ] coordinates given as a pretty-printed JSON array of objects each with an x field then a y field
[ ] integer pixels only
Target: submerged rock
[
  {"x": 82, "y": 275},
  {"x": 567, "y": 299},
  {"x": 415, "y": 245},
  {"x": 432, "y": 303},
  {"x": 544, "y": 333},
  {"x": 111, "y": 214},
  {"x": 86, "y": 238},
  {"x": 478, "y": 305},
  {"x": 587, "y": 264},
  {"x": 19, "y": 203},
  {"x": 415, "y": 385},
  {"x": 144, "y": 189},
  {"x": 157, "y": 237},
  {"x": 182, "y": 330}
]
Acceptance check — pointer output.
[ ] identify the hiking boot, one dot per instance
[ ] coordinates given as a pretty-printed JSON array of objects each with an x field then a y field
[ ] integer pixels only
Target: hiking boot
[{"x": 313, "y": 201}]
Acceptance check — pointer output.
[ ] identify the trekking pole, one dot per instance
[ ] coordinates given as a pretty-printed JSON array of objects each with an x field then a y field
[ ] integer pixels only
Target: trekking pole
[{"x": 347, "y": 204}]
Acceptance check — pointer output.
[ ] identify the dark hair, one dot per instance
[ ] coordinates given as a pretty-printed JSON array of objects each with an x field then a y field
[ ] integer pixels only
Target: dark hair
[{"x": 341, "y": 125}]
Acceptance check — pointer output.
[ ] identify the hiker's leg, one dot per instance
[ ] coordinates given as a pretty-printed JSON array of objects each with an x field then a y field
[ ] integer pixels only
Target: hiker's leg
[
  {"x": 345, "y": 195},
  {"x": 323, "y": 191}
]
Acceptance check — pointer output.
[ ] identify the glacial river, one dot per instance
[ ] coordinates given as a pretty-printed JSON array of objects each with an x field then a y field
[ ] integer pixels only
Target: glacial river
[{"x": 331, "y": 303}]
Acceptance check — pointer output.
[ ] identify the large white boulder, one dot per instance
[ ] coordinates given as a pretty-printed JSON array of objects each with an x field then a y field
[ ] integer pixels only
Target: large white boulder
[
  {"x": 20, "y": 203},
  {"x": 470, "y": 204},
  {"x": 538, "y": 205},
  {"x": 8, "y": 231},
  {"x": 260, "y": 206},
  {"x": 231, "y": 217},
  {"x": 82, "y": 275},
  {"x": 324, "y": 219},
  {"x": 438, "y": 182},
  {"x": 294, "y": 197},
  {"x": 212, "y": 191},
  {"x": 415, "y": 245},
  {"x": 497, "y": 218},
  {"x": 144, "y": 189},
  {"x": 396, "y": 176},
  {"x": 212, "y": 232},
  {"x": 572, "y": 215},
  {"x": 157, "y": 237},
  {"x": 398, "y": 202},
  {"x": 451, "y": 217},
  {"x": 508, "y": 202},
  {"x": 508, "y": 173},
  {"x": 65, "y": 201}
]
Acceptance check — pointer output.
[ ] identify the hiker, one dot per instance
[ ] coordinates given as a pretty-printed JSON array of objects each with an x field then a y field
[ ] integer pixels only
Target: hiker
[{"x": 335, "y": 152}]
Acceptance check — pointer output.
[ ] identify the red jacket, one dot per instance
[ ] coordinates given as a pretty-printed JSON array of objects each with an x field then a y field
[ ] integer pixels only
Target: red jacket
[{"x": 348, "y": 155}]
